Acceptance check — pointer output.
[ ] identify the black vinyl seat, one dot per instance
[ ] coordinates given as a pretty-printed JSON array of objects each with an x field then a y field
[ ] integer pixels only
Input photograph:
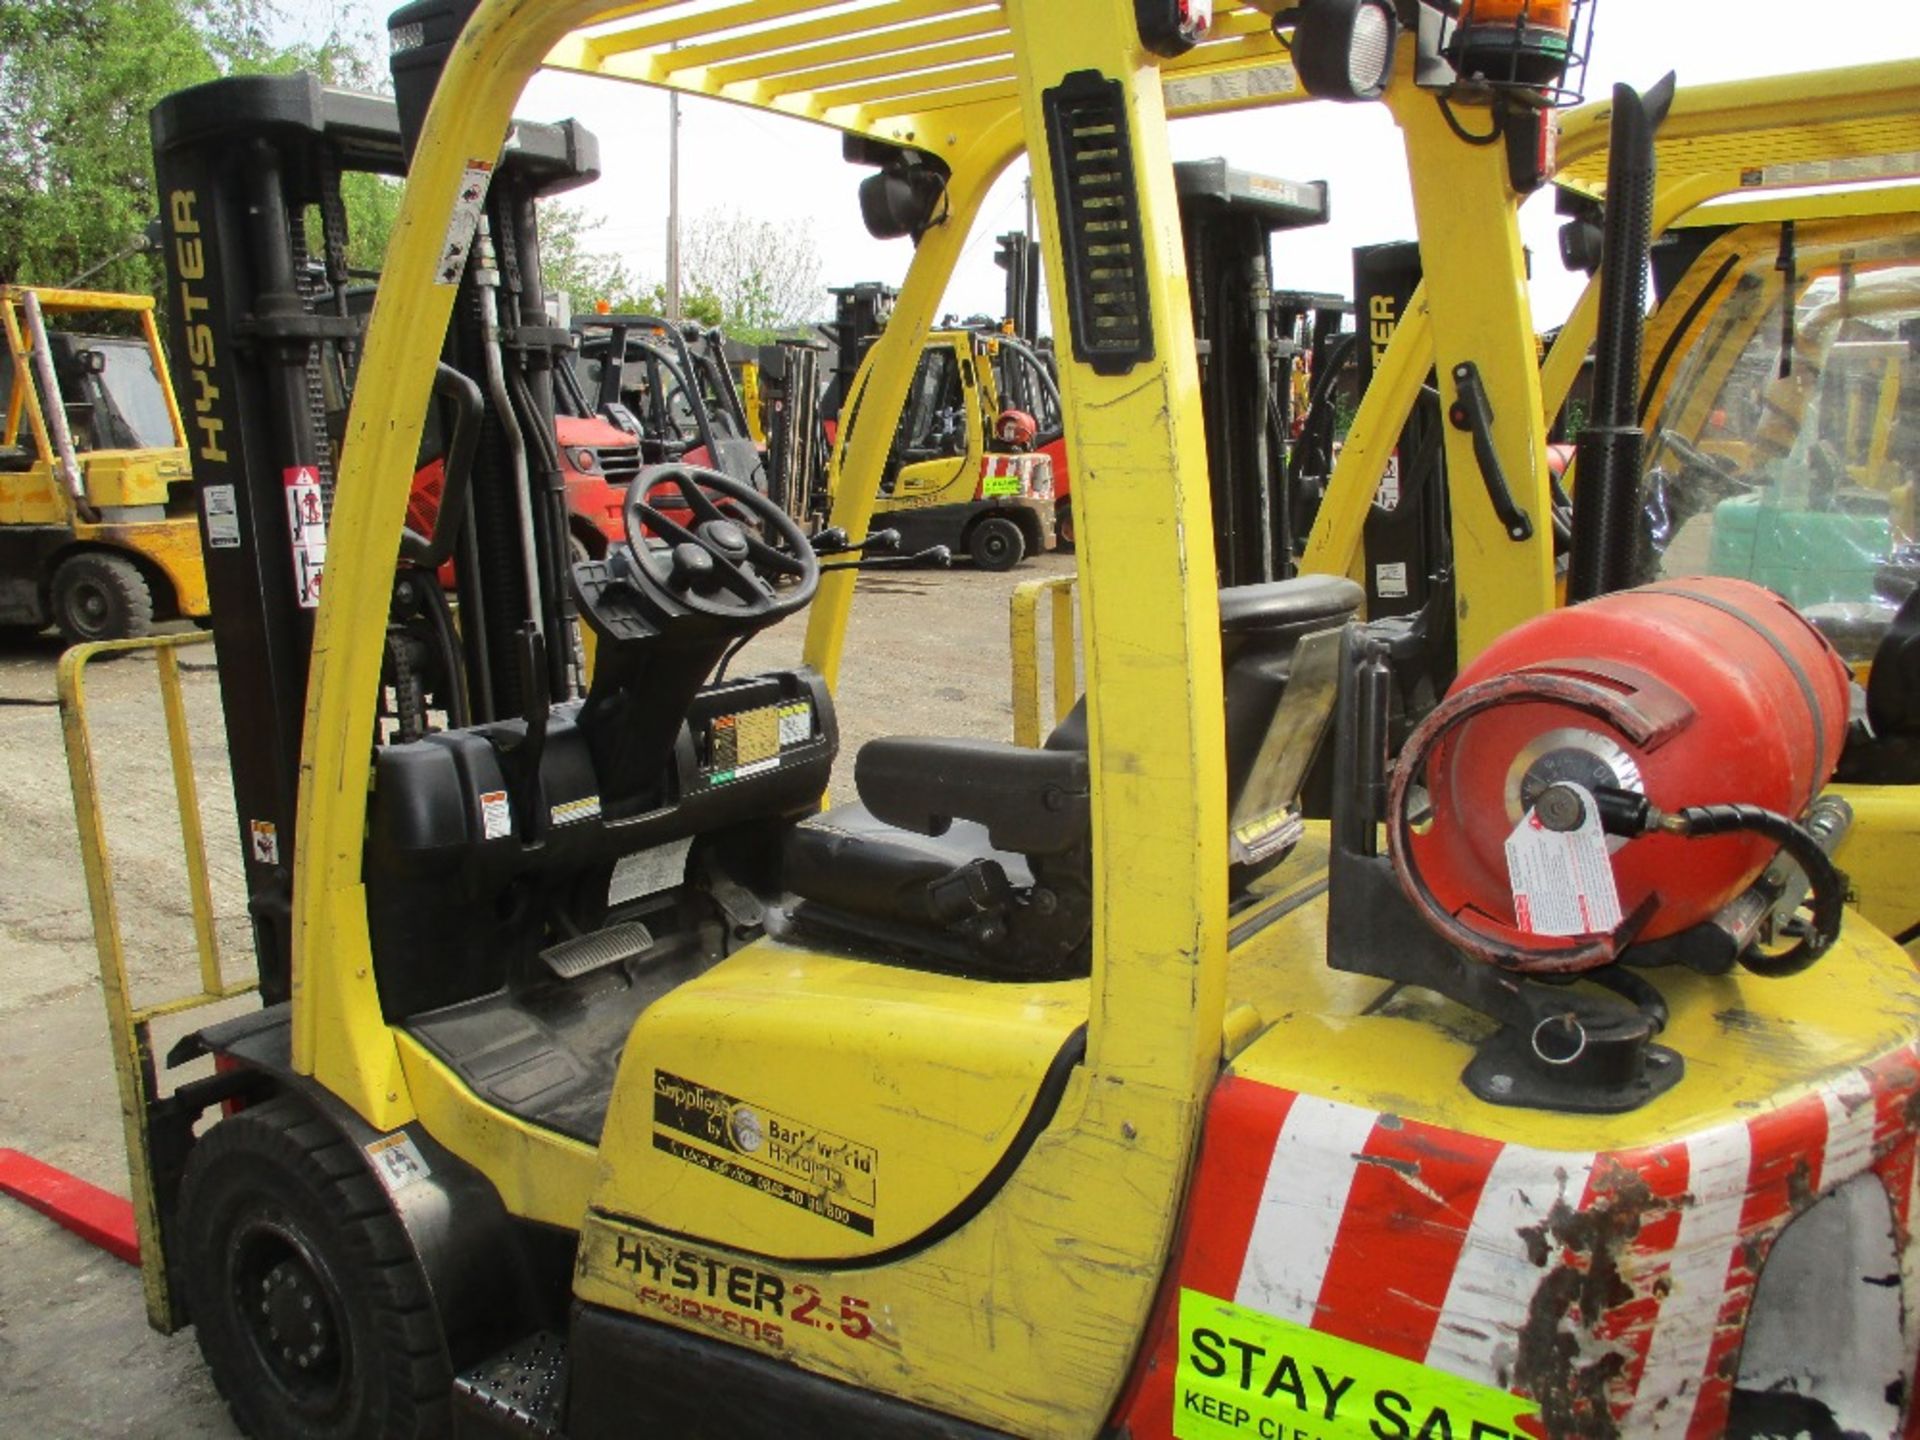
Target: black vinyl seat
[
  {"x": 980, "y": 853},
  {"x": 851, "y": 859}
]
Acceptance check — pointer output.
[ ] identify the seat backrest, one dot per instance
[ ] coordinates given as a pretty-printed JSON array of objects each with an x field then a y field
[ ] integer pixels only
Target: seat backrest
[{"x": 1259, "y": 627}]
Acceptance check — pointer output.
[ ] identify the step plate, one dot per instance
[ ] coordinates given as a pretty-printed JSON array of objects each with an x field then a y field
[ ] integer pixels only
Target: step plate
[{"x": 521, "y": 1391}]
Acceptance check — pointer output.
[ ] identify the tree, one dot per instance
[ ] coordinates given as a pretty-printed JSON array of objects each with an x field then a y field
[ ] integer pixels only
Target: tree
[
  {"x": 764, "y": 274},
  {"x": 569, "y": 261},
  {"x": 590, "y": 276},
  {"x": 77, "y": 80}
]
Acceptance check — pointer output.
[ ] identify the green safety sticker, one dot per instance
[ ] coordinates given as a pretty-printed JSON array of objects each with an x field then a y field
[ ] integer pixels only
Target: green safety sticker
[
  {"x": 1245, "y": 1374},
  {"x": 991, "y": 485}
]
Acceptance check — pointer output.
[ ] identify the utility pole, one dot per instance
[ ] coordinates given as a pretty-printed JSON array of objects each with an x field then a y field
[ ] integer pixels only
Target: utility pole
[{"x": 673, "y": 206}]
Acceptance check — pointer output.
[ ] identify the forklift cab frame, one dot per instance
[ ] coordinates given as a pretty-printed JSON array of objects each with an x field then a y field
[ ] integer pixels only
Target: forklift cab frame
[{"x": 1001, "y": 1214}]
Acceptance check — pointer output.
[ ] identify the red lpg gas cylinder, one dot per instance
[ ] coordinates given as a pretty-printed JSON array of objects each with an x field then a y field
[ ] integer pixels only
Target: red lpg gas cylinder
[
  {"x": 1689, "y": 692},
  {"x": 1016, "y": 428}
]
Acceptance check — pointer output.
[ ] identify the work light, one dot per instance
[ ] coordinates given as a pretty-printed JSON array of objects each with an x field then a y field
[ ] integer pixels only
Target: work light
[{"x": 1343, "y": 49}]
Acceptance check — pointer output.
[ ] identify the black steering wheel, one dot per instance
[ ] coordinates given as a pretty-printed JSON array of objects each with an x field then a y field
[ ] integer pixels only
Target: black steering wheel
[{"x": 698, "y": 557}]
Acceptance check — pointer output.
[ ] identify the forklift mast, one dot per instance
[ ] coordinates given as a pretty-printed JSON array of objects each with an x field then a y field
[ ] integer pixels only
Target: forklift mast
[
  {"x": 241, "y": 164},
  {"x": 1229, "y": 218},
  {"x": 859, "y": 313},
  {"x": 249, "y": 169}
]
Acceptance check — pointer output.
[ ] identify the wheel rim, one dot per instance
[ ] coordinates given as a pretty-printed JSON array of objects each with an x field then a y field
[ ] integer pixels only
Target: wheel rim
[
  {"x": 995, "y": 546},
  {"x": 90, "y": 607},
  {"x": 291, "y": 1313}
]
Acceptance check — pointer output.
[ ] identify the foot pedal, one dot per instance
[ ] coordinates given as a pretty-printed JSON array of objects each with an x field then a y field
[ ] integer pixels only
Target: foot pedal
[
  {"x": 571, "y": 959},
  {"x": 521, "y": 1391}
]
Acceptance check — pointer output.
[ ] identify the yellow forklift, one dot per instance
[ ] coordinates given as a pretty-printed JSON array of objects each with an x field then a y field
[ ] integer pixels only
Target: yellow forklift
[
  {"x": 963, "y": 472},
  {"x": 97, "y": 532},
  {"x": 1511, "y": 1069}
]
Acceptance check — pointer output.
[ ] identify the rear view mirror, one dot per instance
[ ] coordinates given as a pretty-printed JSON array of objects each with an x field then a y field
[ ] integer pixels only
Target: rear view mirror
[{"x": 894, "y": 203}]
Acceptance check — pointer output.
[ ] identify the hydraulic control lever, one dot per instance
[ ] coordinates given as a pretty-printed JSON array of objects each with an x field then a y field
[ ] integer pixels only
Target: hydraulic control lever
[
  {"x": 934, "y": 557},
  {"x": 835, "y": 541}
]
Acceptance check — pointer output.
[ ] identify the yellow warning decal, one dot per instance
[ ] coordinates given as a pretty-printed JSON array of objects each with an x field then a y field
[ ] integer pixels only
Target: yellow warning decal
[{"x": 1245, "y": 1374}]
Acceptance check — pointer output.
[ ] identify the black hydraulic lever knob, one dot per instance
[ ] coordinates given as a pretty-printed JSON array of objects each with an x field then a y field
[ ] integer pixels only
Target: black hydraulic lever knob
[
  {"x": 1472, "y": 412},
  {"x": 882, "y": 541}
]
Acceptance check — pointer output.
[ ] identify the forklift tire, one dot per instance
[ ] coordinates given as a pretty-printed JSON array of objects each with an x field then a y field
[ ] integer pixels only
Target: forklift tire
[
  {"x": 995, "y": 543},
  {"x": 311, "y": 1306},
  {"x": 98, "y": 595},
  {"x": 1063, "y": 526}
]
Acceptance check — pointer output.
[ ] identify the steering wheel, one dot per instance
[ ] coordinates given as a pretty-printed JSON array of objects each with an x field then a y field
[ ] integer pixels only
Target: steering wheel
[{"x": 713, "y": 563}]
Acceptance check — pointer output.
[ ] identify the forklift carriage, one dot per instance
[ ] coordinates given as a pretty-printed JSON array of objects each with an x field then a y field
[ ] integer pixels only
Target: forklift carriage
[{"x": 1173, "y": 1077}]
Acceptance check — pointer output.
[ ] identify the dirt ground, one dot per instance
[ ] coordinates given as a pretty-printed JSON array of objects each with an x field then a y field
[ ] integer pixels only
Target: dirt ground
[{"x": 928, "y": 654}]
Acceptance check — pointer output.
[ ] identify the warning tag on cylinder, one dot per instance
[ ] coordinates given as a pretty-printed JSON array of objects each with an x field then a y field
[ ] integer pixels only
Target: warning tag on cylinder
[{"x": 1562, "y": 880}]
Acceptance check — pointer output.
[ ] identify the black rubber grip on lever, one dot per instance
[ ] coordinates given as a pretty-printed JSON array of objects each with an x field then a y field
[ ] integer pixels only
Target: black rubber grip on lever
[{"x": 1471, "y": 412}]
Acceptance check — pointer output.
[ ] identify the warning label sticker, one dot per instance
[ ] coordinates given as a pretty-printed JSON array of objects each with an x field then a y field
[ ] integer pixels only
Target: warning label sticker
[
  {"x": 786, "y": 1159},
  {"x": 496, "y": 815},
  {"x": 1260, "y": 82},
  {"x": 263, "y": 840},
  {"x": 1387, "y": 496},
  {"x": 223, "y": 517},
  {"x": 397, "y": 1161},
  {"x": 1844, "y": 170},
  {"x": 462, "y": 223},
  {"x": 1245, "y": 1374},
  {"x": 306, "y": 532},
  {"x": 1563, "y": 879},
  {"x": 648, "y": 872}
]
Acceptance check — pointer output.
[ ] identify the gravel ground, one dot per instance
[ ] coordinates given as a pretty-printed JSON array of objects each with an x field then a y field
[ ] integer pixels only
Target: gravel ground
[{"x": 928, "y": 654}]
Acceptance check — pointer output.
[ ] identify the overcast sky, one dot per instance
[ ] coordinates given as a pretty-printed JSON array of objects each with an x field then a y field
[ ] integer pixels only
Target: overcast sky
[{"x": 790, "y": 171}]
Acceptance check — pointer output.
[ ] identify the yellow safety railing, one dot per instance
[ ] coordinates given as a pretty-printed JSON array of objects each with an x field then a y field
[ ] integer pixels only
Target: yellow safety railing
[
  {"x": 128, "y": 1023},
  {"x": 1029, "y": 721}
]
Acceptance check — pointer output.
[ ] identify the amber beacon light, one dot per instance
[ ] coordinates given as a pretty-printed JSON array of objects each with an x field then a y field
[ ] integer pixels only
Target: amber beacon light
[{"x": 1526, "y": 44}]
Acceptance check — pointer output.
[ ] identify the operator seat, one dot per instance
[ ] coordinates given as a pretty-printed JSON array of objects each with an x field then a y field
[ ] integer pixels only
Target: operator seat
[{"x": 978, "y": 854}]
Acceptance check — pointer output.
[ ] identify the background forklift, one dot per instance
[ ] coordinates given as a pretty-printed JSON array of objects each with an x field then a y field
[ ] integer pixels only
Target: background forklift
[
  {"x": 1250, "y": 336},
  {"x": 1060, "y": 1092},
  {"x": 96, "y": 512}
]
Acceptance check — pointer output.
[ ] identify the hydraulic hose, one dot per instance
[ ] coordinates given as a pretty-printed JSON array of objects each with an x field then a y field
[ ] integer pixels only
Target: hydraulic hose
[
  {"x": 1828, "y": 895},
  {"x": 431, "y": 552},
  {"x": 509, "y": 424}
]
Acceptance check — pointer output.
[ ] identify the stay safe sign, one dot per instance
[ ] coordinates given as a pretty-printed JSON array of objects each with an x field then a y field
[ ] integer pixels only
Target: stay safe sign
[{"x": 1248, "y": 1376}]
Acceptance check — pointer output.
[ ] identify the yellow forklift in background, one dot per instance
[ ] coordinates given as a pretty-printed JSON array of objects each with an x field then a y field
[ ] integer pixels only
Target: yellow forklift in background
[
  {"x": 97, "y": 530},
  {"x": 963, "y": 471},
  {"x": 1184, "y": 1076}
]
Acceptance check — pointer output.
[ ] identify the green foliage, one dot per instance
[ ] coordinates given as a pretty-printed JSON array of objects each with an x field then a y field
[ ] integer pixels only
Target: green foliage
[
  {"x": 765, "y": 275},
  {"x": 77, "y": 80},
  {"x": 569, "y": 261}
]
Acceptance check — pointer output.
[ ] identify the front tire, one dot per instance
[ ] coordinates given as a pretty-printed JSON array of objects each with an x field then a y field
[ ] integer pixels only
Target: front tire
[
  {"x": 309, "y": 1302},
  {"x": 996, "y": 543},
  {"x": 98, "y": 595},
  {"x": 1063, "y": 526}
]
